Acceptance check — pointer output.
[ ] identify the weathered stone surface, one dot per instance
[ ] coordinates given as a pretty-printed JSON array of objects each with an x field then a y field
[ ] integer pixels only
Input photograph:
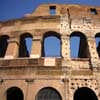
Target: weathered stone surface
[{"x": 64, "y": 73}]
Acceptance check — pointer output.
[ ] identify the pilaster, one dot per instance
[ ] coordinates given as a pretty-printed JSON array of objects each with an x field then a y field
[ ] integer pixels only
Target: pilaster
[
  {"x": 12, "y": 49},
  {"x": 65, "y": 46},
  {"x": 93, "y": 52},
  {"x": 36, "y": 47}
]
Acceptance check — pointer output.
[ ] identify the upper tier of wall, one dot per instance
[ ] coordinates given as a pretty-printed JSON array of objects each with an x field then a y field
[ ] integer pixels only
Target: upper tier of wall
[
  {"x": 74, "y": 10},
  {"x": 78, "y": 18}
]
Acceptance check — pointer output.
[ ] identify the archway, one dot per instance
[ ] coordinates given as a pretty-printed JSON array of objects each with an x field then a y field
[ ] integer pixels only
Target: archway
[
  {"x": 3, "y": 45},
  {"x": 79, "y": 45},
  {"x": 48, "y": 93},
  {"x": 51, "y": 45},
  {"x": 84, "y": 93},
  {"x": 25, "y": 45},
  {"x": 97, "y": 39},
  {"x": 14, "y": 93}
]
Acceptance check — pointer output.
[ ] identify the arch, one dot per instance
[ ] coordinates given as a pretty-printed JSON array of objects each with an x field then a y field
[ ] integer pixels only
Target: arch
[
  {"x": 25, "y": 45},
  {"x": 14, "y": 93},
  {"x": 85, "y": 93},
  {"x": 48, "y": 93},
  {"x": 51, "y": 44},
  {"x": 97, "y": 39},
  {"x": 79, "y": 45},
  {"x": 3, "y": 45}
]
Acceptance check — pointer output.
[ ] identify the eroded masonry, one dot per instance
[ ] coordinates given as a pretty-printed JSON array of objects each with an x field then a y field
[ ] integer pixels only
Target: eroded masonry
[{"x": 31, "y": 75}]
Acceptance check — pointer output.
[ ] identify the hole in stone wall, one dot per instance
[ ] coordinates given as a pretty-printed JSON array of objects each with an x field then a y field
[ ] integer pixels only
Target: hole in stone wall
[
  {"x": 3, "y": 45},
  {"x": 25, "y": 45},
  {"x": 52, "y": 10},
  {"x": 93, "y": 11},
  {"x": 14, "y": 93},
  {"x": 51, "y": 45},
  {"x": 78, "y": 45}
]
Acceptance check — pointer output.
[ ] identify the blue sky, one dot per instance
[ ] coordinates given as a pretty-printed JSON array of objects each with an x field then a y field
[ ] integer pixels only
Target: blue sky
[{"x": 12, "y": 9}]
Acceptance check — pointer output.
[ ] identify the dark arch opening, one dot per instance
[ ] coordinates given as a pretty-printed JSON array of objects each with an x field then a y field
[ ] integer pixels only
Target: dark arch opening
[
  {"x": 51, "y": 45},
  {"x": 85, "y": 93},
  {"x": 48, "y": 93},
  {"x": 79, "y": 45},
  {"x": 97, "y": 39},
  {"x": 25, "y": 45},
  {"x": 3, "y": 45},
  {"x": 14, "y": 93}
]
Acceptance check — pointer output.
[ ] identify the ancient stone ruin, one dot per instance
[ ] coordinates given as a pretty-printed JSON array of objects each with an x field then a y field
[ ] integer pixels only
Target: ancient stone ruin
[{"x": 31, "y": 75}]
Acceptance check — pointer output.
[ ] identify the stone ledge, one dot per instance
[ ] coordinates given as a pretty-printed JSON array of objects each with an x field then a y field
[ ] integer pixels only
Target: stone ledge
[{"x": 40, "y": 62}]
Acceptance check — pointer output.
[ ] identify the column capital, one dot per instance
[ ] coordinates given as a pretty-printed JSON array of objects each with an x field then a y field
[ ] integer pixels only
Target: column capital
[
  {"x": 64, "y": 36},
  {"x": 91, "y": 39},
  {"x": 37, "y": 38},
  {"x": 29, "y": 80},
  {"x": 13, "y": 40}
]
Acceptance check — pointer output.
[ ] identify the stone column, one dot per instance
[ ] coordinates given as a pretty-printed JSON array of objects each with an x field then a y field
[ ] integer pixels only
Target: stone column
[
  {"x": 36, "y": 47},
  {"x": 12, "y": 49},
  {"x": 2, "y": 90},
  {"x": 93, "y": 52},
  {"x": 65, "y": 46},
  {"x": 92, "y": 48},
  {"x": 29, "y": 94}
]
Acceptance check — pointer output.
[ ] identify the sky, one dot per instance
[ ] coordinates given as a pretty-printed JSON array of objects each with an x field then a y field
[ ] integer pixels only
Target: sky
[{"x": 12, "y": 9}]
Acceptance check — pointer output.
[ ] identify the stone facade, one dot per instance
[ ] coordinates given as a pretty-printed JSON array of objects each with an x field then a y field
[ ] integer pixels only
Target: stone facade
[{"x": 64, "y": 74}]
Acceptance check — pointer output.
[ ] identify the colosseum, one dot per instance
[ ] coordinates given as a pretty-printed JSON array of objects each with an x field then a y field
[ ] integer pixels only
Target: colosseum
[{"x": 33, "y": 76}]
